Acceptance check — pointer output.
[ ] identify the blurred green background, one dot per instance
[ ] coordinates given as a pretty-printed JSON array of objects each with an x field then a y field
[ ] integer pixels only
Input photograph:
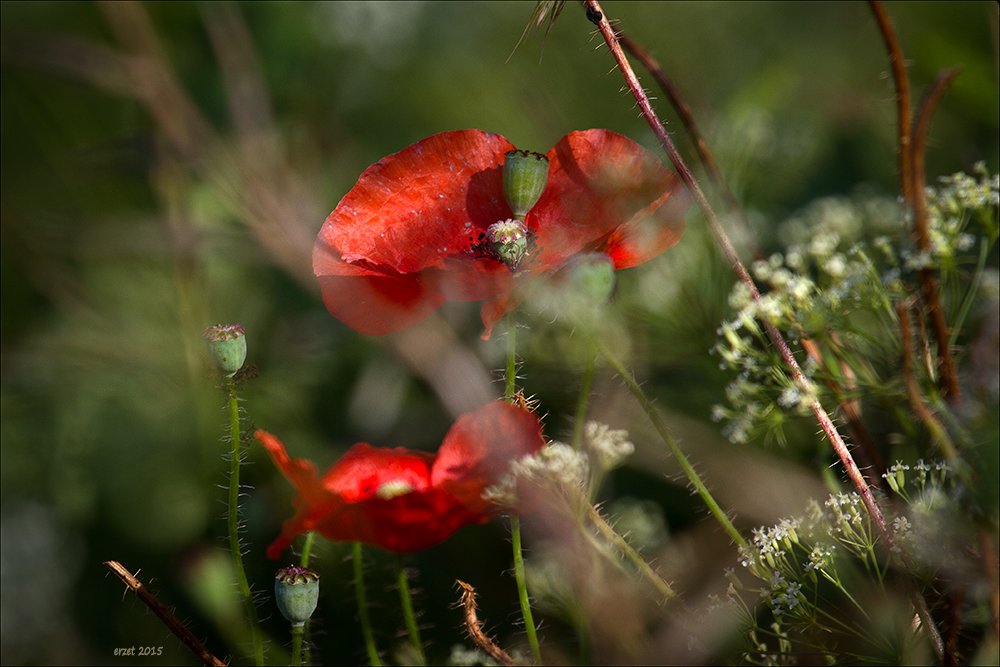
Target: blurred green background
[{"x": 166, "y": 166}]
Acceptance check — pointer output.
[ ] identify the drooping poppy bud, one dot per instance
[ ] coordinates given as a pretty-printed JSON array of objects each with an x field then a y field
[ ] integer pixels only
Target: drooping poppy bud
[
  {"x": 227, "y": 345},
  {"x": 524, "y": 177},
  {"x": 296, "y": 590}
]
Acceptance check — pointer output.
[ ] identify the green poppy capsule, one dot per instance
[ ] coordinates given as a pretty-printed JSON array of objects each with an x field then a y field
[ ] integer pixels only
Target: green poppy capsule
[
  {"x": 227, "y": 345},
  {"x": 296, "y": 590},
  {"x": 524, "y": 177}
]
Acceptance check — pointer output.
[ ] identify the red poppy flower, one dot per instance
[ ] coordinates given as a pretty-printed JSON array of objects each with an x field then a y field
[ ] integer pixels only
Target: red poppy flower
[
  {"x": 410, "y": 234},
  {"x": 404, "y": 500}
]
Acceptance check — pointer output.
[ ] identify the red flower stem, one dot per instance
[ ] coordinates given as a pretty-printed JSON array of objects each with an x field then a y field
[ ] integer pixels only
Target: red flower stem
[
  {"x": 522, "y": 589},
  {"x": 853, "y": 473},
  {"x": 411, "y": 620},
  {"x": 234, "y": 521},
  {"x": 362, "y": 597}
]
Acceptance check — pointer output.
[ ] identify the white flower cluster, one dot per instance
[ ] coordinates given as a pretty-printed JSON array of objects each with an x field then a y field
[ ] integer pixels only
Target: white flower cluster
[{"x": 609, "y": 446}]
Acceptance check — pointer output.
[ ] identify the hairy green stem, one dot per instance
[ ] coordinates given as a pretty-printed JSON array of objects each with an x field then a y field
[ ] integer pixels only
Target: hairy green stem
[
  {"x": 407, "y": 603},
  {"x": 511, "y": 375},
  {"x": 522, "y": 589},
  {"x": 581, "y": 403},
  {"x": 297, "y": 632},
  {"x": 234, "y": 522},
  {"x": 362, "y": 597},
  {"x": 675, "y": 449}
]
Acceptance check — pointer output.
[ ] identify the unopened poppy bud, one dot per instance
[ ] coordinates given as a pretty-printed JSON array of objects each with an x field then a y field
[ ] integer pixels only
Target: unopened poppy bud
[
  {"x": 227, "y": 345},
  {"x": 509, "y": 240},
  {"x": 296, "y": 590},
  {"x": 524, "y": 177}
]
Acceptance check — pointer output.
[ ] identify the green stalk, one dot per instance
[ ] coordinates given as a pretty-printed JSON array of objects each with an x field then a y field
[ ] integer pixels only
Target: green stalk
[
  {"x": 515, "y": 522},
  {"x": 234, "y": 524},
  {"x": 359, "y": 592},
  {"x": 623, "y": 546},
  {"x": 522, "y": 588},
  {"x": 581, "y": 402},
  {"x": 411, "y": 619},
  {"x": 307, "y": 629},
  {"x": 297, "y": 632},
  {"x": 675, "y": 449}
]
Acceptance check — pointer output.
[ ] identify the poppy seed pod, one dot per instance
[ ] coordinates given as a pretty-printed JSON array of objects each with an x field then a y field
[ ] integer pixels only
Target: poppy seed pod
[
  {"x": 524, "y": 177},
  {"x": 227, "y": 345},
  {"x": 296, "y": 590}
]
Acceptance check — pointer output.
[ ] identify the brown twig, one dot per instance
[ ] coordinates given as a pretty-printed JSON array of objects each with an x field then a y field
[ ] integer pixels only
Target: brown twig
[
  {"x": 475, "y": 630},
  {"x": 902, "y": 82},
  {"x": 826, "y": 424},
  {"x": 938, "y": 432},
  {"x": 928, "y": 281},
  {"x": 168, "y": 619},
  {"x": 701, "y": 147},
  {"x": 857, "y": 479}
]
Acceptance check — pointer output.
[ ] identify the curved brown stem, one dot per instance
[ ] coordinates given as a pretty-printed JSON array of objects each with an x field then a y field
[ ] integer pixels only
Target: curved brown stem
[
  {"x": 928, "y": 281},
  {"x": 902, "y": 82},
  {"x": 701, "y": 147},
  {"x": 164, "y": 614}
]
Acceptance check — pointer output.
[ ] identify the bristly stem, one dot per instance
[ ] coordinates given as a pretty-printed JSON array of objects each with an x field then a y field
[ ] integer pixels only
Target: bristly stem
[
  {"x": 515, "y": 522},
  {"x": 362, "y": 597},
  {"x": 581, "y": 403},
  {"x": 411, "y": 619},
  {"x": 234, "y": 521},
  {"x": 522, "y": 589},
  {"x": 511, "y": 376},
  {"x": 857, "y": 479},
  {"x": 675, "y": 449},
  {"x": 826, "y": 424},
  {"x": 307, "y": 630}
]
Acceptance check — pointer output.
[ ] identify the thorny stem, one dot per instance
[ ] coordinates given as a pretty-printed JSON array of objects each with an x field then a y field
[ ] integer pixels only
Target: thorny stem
[
  {"x": 623, "y": 546},
  {"x": 701, "y": 147},
  {"x": 362, "y": 598},
  {"x": 234, "y": 521},
  {"x": 307, "y": 630},
  {"x": 581, "y": 402},
  {"x": 928, "y": 281},
  {"x": 675, "y": 449},
  {"x": 411, "y": 620},
  {"x": 522, "y": 589},
  {"x": 515, "y": 522},
  {"x": 164, "y": 614},
  {"x": 857, "y": 479},
  {"x": 902, "y": 83},
  {"x": 938, "y": 432}
]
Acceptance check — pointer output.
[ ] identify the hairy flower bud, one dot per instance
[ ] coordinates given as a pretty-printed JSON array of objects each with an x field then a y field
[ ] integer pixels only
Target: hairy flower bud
[
  {"x": 524, "y": 177},
  {"x": 296, "y": 590},
  {"x": 227, "y": 345}
]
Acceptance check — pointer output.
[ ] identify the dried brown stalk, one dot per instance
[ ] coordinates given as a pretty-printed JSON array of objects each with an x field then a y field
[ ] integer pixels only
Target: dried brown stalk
[
  {"x": 168, "y": 618},
  {"x": 902, "y": 82},
  {"x": 826, "y": 424},
  {"x": 928, "y": 281},
  {"x": 475, "y": 630}
]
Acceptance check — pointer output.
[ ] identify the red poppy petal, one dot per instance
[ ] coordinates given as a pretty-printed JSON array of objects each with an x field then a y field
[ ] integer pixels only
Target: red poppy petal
[
  {"x": 412, "y": 209},
  {"x": 377, "y": 305},
  {"x": 365, "y": 471},
  {"x": 598, "y": 182},
  {"x": 650, "y": 231},
  {"x": 479, "y": 448},
  {"x": 300, "y": 472}
]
